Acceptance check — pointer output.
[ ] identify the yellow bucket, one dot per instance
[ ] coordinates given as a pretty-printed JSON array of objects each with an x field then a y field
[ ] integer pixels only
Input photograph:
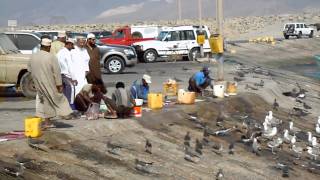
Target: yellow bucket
[
  {"x": 155, "y": 101},
  {"x": 33, "y": 127},
  {"x": 216, "y": 43},
  {"x": 170, "y": 89}
]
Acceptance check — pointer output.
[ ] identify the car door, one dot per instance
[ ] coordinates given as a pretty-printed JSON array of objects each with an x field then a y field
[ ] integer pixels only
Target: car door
[
  {"x": 187, "y": 41},
  {"x": 172, "y": 43},
  {"x": 3, "y": 69},
  {"x": 26, "y": 43}
]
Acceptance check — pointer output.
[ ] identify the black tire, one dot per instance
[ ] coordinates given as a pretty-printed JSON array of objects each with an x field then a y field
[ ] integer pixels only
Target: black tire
[
  {"x": 114, "y": 65},
  {"x": 286, "y": 36},
  {"x": 311, "y": 34},
  {"x": 150, "y": 56},
  {"x": 27, "y": 86},
  {"x": 194, "y": 54},
  {"x": 299, "y": 35}
]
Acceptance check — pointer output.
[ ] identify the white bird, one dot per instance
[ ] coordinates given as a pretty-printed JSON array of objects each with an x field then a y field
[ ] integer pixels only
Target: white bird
[
  {"x": 314, "y": 152},
  {"x": 293, "y": 129},
  {"x": 314, "y": 142},
  {"x": 272, "y": 120},
  {"x": 297, "y": 150},
  {"x": 270, "y": 133},
  {"x": 275, "y": 144},
  {"x": 287, "y": 137},
  {"x": 255, "y": 146},
  {"x": 266, "y": 127},
  {"x": 318, "y": 120},
  {"x": 318, "y": 128},
  {"x": 309, "y": 138}
]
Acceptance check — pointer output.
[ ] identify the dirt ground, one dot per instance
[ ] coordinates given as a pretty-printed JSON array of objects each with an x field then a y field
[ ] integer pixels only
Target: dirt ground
[{"x": 80, "y": 149}]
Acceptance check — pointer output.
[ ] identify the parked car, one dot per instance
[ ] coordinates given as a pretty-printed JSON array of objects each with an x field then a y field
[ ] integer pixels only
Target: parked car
[
  {"x": 25, "y": 41},
  {"x": 13, "y": 67},
  {"x": 298, "y": 30},
  {"x": 181, "y": 40},
  {"x": 102, "y": 34},
  {"x": 74, "y": 35},
  {"x": 114, "y": 58},
  {"x": 125, "y": 36}
]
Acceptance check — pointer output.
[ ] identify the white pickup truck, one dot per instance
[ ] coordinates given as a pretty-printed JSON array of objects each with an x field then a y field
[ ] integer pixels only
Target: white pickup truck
[
  {"x": 298, "y": 30},
  {"x": 180, "y": 40}
]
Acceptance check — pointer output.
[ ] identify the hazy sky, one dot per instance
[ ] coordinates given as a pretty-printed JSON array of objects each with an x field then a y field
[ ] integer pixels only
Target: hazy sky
[{"x": 93, "y": 11}]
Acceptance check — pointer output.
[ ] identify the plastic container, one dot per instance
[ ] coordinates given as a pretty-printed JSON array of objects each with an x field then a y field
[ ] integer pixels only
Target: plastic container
[
  {"x": 32, "y": 127},
  {"x": 218, "y": 90},
  {"x": 216, "y": 43},
  {"x": 186, "y": 97},
  {"x": 139, "y": 102},
  {"x": 170, "y": 89},
  {"x": 200, "y": 39},
  {"x": 137, "y": 111},
  {"x": 232, "y": 88},
  {"x": 155, "y": 100}
]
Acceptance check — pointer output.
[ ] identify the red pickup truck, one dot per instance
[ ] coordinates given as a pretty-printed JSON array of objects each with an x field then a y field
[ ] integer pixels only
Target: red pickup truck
[{"x": 129, "y": 35}]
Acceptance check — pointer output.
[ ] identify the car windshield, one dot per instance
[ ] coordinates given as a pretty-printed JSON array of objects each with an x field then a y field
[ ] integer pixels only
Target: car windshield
[
  {"x": 162, "y": 35},
  {"x": 7, "y": 45}
]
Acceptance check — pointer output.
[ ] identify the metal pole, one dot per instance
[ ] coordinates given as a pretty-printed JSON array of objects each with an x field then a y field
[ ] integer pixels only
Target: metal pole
[
  {"x": 200, "y": 21},
  {"x": 220, "y": 57}
]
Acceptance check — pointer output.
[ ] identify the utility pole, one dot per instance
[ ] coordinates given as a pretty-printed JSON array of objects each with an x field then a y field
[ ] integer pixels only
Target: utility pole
[
  {"x": 220, "y": 57},
  {"x": 200, "y": 21},
  {"x": 179, "y": 10}
]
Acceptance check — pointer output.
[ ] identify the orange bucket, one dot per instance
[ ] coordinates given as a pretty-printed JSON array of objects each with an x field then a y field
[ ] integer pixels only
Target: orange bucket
[{"x": 137, "y": 111}]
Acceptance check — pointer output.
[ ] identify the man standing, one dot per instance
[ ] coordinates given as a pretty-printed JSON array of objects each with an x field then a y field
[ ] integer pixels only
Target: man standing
[
  {"x": 200, "y": 80},
  {"x": 140, "y": 90},
  {"x": 67, "y": 71},
  {"x": 94, "y": 63},
  {"x": 80, "y": 58},
  {"x": 57, "y": 45},
  {"x": 45, "y": 71}
]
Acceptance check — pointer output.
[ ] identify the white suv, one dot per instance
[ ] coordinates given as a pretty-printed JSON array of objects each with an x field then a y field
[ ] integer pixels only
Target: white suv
[
  {"x": 181, "y": 40},
  {"x": 298, "y": 30}
]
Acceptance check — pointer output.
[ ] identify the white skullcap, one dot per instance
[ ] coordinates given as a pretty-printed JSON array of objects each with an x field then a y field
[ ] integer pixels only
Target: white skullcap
[
  {"x": 147, "y": 78},
  {"x": 91, "y": 36},
  {"x": 70, "y": 40},
  {"x": 61, "y": 34},
  {"x": 46, "y": 42}
]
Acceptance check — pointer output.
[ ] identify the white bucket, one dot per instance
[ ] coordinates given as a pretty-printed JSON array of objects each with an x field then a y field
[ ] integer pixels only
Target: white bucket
[
  {"x": 218, "y": 90},
  {"x": 139, "y": 102}
]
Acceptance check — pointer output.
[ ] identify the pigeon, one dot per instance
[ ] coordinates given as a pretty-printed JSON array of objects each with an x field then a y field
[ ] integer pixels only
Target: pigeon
[
  {"x": 143, "y": 166},
  {"x": 198, "y": 147},
  {"x": 148, "y": 147},
  {"x": 255, "y": 146},
  {"x": 187, "y": 139},
  {"x": 275, "y": 105},
  {"x": 219, "y": 175},
  {"x": 231, "y": 148},
  {"x": 297, "y": 150}
]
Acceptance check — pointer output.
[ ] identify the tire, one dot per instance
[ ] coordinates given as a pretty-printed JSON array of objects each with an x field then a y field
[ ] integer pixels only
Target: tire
[
  {"x": 114, "y": 65},
  {"x": 311, "y": 34},
  {"x": 299, "y": 35},
  {"x": 27, "y": 86},
  {"x": 150, "y": 56},
  {"x": 286, "y": 36},
  {"x": 193, "y": 54}
]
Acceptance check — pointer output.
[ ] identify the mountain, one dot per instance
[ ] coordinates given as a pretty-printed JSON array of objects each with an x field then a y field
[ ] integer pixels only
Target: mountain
[{"x": 29, "y": 12}]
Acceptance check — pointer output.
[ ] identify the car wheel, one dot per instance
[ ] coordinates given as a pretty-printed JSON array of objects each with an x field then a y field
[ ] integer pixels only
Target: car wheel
[
  {"x": 311, "y": 34},
  {"x": 27, "y": 85},
  {"x": 114, "y": 65},
  {"x": 286, "y": 36},
  {"x": 299, "y": 35},
  {"x": 194, "y": 54},
  {"x": 150, "y": 56}
]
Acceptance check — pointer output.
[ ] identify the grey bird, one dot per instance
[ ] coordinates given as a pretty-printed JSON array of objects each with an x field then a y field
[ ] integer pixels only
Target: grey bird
[
  {"x": 191, "y": 155},
  {"x": 219, "y": 175},
  {"x": 255, "y": 146},
  {"x": 35, "y": 144},
  {"x": 231, "y": 148},
  {"x": 306, "y": 106},
  {"x": 260, "y": 84},
  {"x": 114, "y": 148},
  {"x": 198, "y": 147},
  {"x": 275, "y": 105},
  {"x": 187, "y": 139},
  {"x": 15, "y": 171},
  {"x": 148, "y": 147},
  {"x": 142, "y": 166},
  {"x": 222, "y": 132}
]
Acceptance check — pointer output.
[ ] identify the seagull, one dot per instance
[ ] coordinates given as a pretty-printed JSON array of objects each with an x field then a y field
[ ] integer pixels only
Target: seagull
[
  {"x": 231, "y": 148},
  {"x": 309, "y": 138},
  {"x": 318, "y": 128},
  {"x": 148, "y": 147},
  {"x": 272, "y": 120},
  {"x": 219, "y": 175},
  {"x": 255, "y": 146},
  {"x": 288, "y": 138},
  {"x": 314, "y": 152},
  {"x": 292, "y": 129},
  {"x": 275, "y": 105},
  {"x": 314, "y": 142},
  {"x": 270, "y": 133},
  {"x": 274, "y": 144},
  {"x": 297, "y": 150}
]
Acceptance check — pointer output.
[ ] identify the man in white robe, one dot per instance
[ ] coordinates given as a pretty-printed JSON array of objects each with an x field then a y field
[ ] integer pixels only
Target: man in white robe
[{"x": 80, "y": 59}]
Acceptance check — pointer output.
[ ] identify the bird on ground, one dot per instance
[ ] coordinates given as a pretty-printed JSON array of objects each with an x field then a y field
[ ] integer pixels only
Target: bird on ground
[
  {"x": 275, "y": 105},
  {"x": 293, "y": 129},
  {"x": 272, "y": 120},
  {"x": 314, "y": 143},
  {"x": 198, "y": 147},
  {"x": 219, "y": 175},
  {"x": 187, "y": 139},
  {"x": 114, "y": 148},
  {"x": 317, "y": 128},
  {"x": 306, "y": 106},
  {"x": 15, "y": 171},
  {"x": 318, "y": 120},
  {"x": 274, "y": 144},
  {"x": 309, "y": 138},
  {"x": 314, "y": 152},
  {"x": 191, "y": 155},
  {"x": 270, "y": 133},
  {"x": 255, "y": 146},
  {"x": 222, "y": 132},
  {"x": 143, "y": 166},
  {"x": 36, "y": 144},
  {"x": 148, "y": 147},
  {"x": 260, "y": 84},
  {"x": 288, "y": 138},
  {"x": 231, "y": 148},
  {"x": 297, "y": 150}
]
